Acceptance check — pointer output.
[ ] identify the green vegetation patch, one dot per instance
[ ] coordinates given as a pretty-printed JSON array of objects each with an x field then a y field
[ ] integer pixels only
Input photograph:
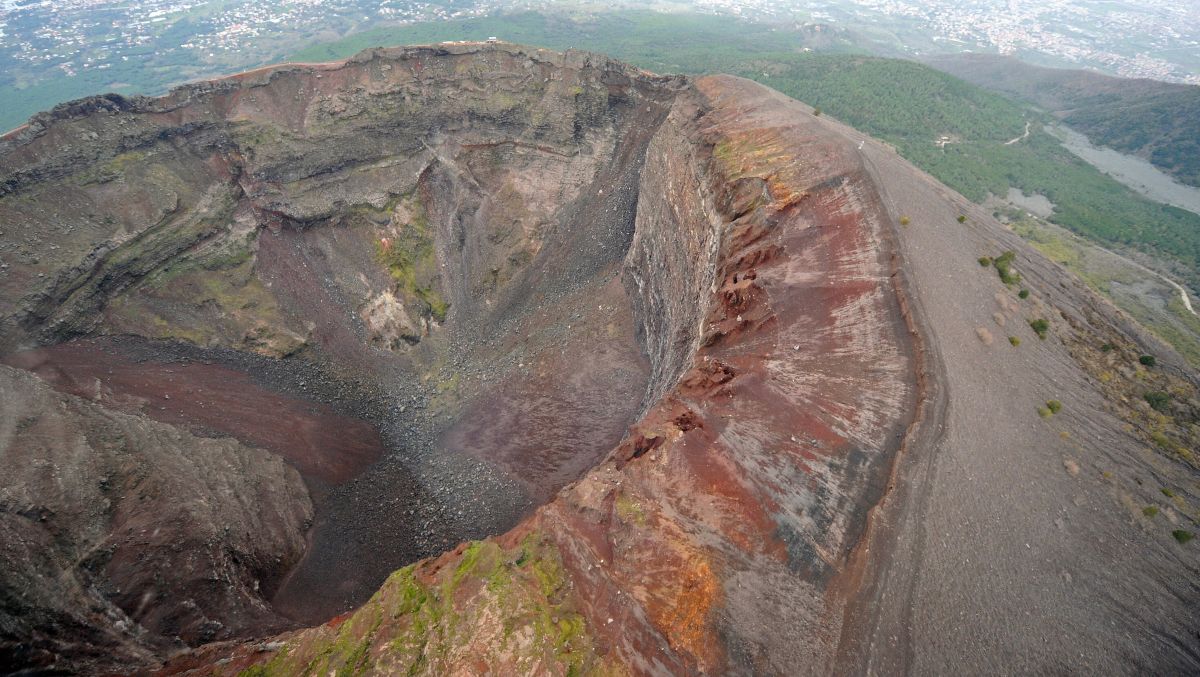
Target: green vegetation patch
[
  {"x": 112, "y": 170},
  {"x": 1040, "y": 327},
  {"x": 422, "y": 614},
  {"x": 1003, "y": 264},
  {"x": 409, "y": 256},
  {"x": 629, "y": 510},
  {"x": 1158, "y": 400}
]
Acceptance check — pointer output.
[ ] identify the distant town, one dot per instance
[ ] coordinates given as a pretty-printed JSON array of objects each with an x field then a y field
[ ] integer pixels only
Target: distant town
[
  {"x": 76, "y": 35},
  {"x": 1157, "y": 39}
]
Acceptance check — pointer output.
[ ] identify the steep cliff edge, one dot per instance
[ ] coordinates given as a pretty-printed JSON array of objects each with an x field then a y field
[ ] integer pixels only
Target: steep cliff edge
[
  {"x": 589, "y": 370},
  {"x": 124, "y": 538}
]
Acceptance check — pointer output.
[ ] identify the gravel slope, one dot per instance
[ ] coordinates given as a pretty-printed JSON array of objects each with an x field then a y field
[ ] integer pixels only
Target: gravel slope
[{"x": 1016, "y": 544}]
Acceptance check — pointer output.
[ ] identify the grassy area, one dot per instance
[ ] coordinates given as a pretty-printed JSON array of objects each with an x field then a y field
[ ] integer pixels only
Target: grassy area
[
  {"x": 1153, "y": 303},
  {"x": 422, "y": 613}
]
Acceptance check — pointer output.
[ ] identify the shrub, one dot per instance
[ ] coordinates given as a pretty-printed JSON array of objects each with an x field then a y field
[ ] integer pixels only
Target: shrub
[
  {"x": 1044, "y": 412},
  {"x": 1158, "y": 400},
  {"x": 1014, "y": 341},
  {"x": 904, "y": 221},
  {"x": 1040, "y": 326},
  {"x": 1003, "y": 265},
  {"x": 816, "y": 111},
  {"x": 1024, "y": 293},
  {"x": 1183, "y": 536},
  {"x": 985, "y": 261},
  {"x": 1167, "y": 492},
  {"x": 1148, "y": 360},
  {"x": 1149, "y": 511},
  {"x": 1054, "y": 406},
  {"x": 1107, "y": 348},
  {"x": 962, "y": 218}
]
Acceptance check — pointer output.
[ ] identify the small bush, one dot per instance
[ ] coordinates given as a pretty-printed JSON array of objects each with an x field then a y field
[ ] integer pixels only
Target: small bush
[
  {"x": 816, "y": 111},
  {"x": 1107, "y": 348},
  {"x": 1183, "y": 536},
  {"x": 904, "y": 221},
  {"x": 1024, "y": 293},
  {"x": 962, "y": 218},
  {"x": 1014, "y": 341},
  {"x": 1044, "y": 412},
  {"x": 1040, "y": 327},
  {"x": 1158, "y": 401},
  {"x": 1167, "y": 492},
  {"x": 985, "y": 261},
  {"x": 1150, "y": 511},
  {"x": 1003, "y": 265},
  {"x": 1148, "y": 360},
  {"x": 1054, "y": 406}
]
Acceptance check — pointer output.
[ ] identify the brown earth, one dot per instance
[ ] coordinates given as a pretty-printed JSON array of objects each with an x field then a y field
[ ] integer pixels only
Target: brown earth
[
  {"x": 586, "y": 370},
  {"x": 323, "y": 445}
]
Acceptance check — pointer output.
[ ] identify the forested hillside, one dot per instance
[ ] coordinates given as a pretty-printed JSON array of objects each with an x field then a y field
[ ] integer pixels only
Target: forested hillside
[{"x": 1158, "y": 121}]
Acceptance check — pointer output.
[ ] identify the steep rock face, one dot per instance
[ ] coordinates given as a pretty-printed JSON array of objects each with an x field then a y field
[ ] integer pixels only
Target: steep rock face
[
  {"x": 123, "y": 536},
  {"x": 457, "y": 161}
]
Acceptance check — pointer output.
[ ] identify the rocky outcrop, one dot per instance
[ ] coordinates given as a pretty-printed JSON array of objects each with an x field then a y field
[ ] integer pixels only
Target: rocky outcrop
[{"x": 124, "y": 538}]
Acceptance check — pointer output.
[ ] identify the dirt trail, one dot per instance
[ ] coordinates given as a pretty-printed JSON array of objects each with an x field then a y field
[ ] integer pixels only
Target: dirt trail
[{"x": 1021, "y": 137}]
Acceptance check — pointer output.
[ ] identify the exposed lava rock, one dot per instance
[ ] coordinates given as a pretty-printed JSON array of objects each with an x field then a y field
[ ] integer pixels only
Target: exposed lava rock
[{"x": 123, "y": 537}]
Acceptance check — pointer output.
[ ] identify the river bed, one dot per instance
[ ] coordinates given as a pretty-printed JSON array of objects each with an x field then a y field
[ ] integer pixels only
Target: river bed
[{"x": 1133, "y": 171}]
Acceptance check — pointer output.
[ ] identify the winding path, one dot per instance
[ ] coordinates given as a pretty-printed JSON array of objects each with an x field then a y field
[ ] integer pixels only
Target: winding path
[{"x": 1021, "y": 137}]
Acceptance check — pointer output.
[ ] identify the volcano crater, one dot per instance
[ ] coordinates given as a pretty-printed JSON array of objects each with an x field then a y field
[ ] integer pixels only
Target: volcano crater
[
  {"x": 425, "y": 278},
  {"x": 304, "y": 326}
]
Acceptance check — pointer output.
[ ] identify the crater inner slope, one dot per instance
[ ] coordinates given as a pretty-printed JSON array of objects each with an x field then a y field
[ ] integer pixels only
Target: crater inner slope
[{"x": 404, "y": 274}]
